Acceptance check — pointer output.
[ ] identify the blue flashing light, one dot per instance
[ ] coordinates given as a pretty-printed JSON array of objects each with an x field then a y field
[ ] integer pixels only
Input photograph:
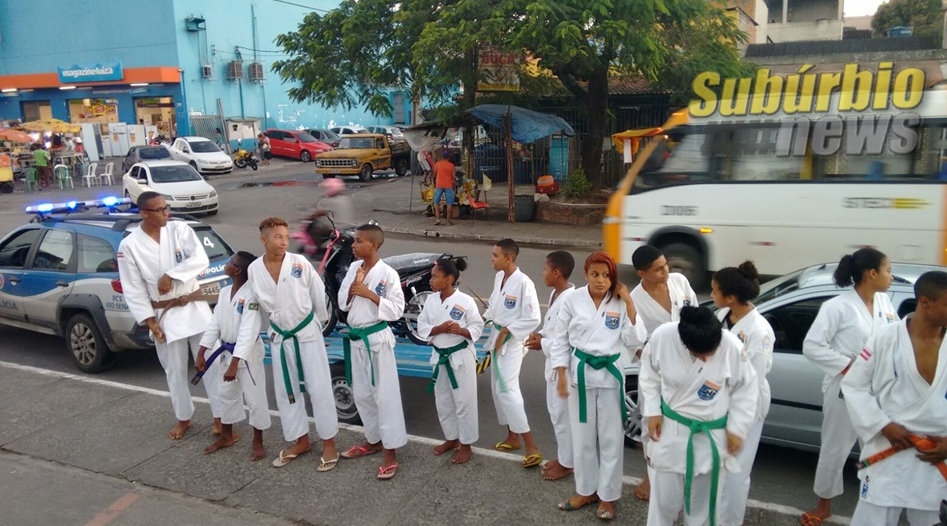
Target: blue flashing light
[
  {"x": 72, "y": 204},
  {"x": 45, "y": 207},
  {"x": 110, "y": 201}
]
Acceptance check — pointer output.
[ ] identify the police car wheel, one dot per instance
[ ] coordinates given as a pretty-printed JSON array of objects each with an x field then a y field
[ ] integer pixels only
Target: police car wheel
[
  {"x": 344, "y": 397},
  {"x": 633, "y": 424},
  {"x": 89, "y": 351}
]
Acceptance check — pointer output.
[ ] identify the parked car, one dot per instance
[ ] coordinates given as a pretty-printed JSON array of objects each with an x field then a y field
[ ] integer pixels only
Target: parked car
[
  {"x": 327, "y": 136},
  {"x": 351, "y": 129},
  {"x": 59, "y": 276},
  {"x": 296, "y": 144},
  {"x": 362, "y": 155},
  {"x": 138, "y": 154},
  {"x": 392, "y": 132},
  {"x": 182, "y": 187},
  {"x": 203, "y": 154}
]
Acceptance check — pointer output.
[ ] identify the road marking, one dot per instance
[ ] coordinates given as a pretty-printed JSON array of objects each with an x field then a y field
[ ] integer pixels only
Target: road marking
[
  {"x": 114, "y": 510},
  {"x": 490, "y": 453}
]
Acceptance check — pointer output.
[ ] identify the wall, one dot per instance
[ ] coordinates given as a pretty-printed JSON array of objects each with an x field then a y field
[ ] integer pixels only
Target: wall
[{"x": 797, "y": 31}]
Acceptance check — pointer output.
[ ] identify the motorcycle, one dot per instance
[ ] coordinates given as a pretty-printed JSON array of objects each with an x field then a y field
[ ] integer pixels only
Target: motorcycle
[
  {"x": 158, "y": 140},
  {"x": 330, "y": 250},
  {"x": 243, "y": 158}
]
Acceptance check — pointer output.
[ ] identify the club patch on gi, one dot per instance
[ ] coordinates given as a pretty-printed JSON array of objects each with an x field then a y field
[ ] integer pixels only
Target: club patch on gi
[
  {"x": 742, "y": 336},
  {"x": 240, "y": 305},
  {"x": 708, "y": 391},
  {"x": 381, "y": 287},
  {"x": 864, "y": 491},
  {"x": 457, "y": 312},
  {"x": 611, "y": 319},
  {"x": 509, "y": 302},
  {"x": 178, "y": 256},
  {"x": 297, "y": 271},
  {"x": 254, "y": 306}
]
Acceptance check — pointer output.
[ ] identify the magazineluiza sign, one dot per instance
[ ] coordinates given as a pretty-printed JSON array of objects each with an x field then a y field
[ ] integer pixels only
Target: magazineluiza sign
[
  {"x": 100, "y": 72},
  {"x": 862, "y": 111}
]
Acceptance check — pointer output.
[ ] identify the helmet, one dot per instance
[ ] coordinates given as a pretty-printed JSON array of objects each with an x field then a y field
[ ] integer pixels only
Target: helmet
[{"x": 333, "y": 187}]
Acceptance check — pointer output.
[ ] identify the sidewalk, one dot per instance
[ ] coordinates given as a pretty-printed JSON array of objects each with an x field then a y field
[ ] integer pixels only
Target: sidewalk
[{"x": 78, "y": 441}]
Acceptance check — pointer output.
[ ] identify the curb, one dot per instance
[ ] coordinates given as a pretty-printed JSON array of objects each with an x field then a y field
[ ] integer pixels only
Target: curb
[{"x": 460, "y": 236}]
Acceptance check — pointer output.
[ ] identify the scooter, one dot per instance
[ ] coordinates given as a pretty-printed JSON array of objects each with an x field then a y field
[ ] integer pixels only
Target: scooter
[{"x": 243, "y": 158}]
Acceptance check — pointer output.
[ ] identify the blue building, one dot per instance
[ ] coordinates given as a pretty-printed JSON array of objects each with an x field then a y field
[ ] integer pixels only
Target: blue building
[{"x": 168, "y": 63}]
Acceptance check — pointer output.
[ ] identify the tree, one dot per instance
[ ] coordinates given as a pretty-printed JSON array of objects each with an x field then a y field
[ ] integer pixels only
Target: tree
[{"x": 923, "y": 15}]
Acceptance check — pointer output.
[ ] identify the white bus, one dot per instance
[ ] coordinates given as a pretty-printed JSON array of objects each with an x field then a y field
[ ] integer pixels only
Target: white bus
[{"x": 788, "y": 190}]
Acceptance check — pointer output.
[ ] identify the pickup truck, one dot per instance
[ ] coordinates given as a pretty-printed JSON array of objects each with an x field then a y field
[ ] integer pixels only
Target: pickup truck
[{"x": 363, "y": 154}]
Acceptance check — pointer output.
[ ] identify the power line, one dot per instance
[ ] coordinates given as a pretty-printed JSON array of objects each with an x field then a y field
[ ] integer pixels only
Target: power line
[{"x": 300, "y": 5}]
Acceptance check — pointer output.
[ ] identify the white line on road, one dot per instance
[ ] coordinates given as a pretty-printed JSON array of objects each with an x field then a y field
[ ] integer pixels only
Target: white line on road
[{"x": 632, "y": 481}]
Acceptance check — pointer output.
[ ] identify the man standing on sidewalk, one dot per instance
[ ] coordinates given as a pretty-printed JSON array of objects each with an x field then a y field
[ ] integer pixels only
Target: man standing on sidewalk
[
  {"x": 445, "y": 184},
  {"x": 41, "y": 160}
]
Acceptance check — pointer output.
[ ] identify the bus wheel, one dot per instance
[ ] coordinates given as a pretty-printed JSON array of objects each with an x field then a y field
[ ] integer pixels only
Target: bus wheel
[{"x": 686, "y": 259}]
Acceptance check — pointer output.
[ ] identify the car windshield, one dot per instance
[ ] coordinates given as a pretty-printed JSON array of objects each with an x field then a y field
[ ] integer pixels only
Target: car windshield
[
  {"x": 331, "y": 135},
  {"x": 365, "y": 143},
  {"x": 154, "y": 153},
  {"x": 305, "y": 137},
  {"x": 174, "y": 174},
  {"x": 204, "y": 147},
  {"x": 215, "y": 247}
]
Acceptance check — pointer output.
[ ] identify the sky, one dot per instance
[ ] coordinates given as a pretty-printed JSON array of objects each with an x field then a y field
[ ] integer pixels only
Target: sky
[{"x": 861, "y": 7}]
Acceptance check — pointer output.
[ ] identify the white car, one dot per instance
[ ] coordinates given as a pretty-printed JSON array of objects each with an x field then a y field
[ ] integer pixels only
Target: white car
[
  {"x": 352, "y": 129},
  {"x": 203, "y": 154},
  {"x": 182, "y": 187}
]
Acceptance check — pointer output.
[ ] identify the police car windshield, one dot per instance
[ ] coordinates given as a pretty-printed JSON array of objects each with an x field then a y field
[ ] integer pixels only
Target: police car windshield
[{"x": 173, "y": 174}]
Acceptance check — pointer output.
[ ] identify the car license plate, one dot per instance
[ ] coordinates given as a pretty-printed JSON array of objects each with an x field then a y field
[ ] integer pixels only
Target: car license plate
[
  {"x": 211, "y": 289},
  {"x": 193, "y": 204}
]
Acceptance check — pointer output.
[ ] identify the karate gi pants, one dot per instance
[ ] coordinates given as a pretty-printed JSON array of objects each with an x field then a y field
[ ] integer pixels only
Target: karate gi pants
[
  {"x": 318, "y": 385},
  {"x": 457, "y": 408},
  {"x": 173, "y": 359},
  {"x": 250, "y": 385},
  {"x": 509, "y": 402},
  {"x": 561, "y": 423},
  {"x": 379, "y": 405},
  {"x": 598, "y": 444},
  {"x": 867, "y": 514},
  {"x": 667, "y": 498},
  {"x": 838, "y": 439},
  {"x": 733, "y": 503}
]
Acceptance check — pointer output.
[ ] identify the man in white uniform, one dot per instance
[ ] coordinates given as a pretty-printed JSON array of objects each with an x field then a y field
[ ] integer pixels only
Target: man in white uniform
[
  {"x": 371, "y": 294},
  {"x": 158, "y": 265},
  {"x": 895, "y": 389},
  {"x": 556, "y": 272},
  {"x": 292, "y": 294},
  {"x": 658, "y": 297},
  {"x": 512, "y": 314},
  {"x": 700, "y": 395},
  {"x": 236, "y": 325}
]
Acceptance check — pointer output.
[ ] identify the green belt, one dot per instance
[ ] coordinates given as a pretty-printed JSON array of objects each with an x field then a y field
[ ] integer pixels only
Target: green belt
[
  {"x": 445, "y": 361},
  {"x": 599, "y": 362},
  {"x": 299, "y": 363},
  {"x": 496, "y": 361},
  {"x": 356, "y": 333},
  {"x": 699, "y": 426}
]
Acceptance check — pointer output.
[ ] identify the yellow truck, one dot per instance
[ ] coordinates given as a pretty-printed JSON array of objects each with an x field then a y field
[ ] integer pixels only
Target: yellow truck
[{"x": 363, "y": 154}]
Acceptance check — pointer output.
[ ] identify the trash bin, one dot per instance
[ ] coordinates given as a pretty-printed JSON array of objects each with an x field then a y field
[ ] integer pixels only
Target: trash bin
[{"x": 524, "y": 208}]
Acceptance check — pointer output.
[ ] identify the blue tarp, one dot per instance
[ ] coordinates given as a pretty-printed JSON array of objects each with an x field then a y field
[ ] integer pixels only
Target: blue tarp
[{"x": 528, "y": 125}]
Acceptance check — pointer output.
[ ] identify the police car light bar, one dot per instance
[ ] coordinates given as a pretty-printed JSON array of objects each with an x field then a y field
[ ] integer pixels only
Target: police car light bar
[{"x": 75, "y": 206}]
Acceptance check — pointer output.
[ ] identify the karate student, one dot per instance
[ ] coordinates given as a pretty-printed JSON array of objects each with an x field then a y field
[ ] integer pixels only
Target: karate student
[
  {"x": 596, "y": 334},
  {"x": 292, "y": 296},
  {"x": 556, "y": 272},
  {"x": 158, "y": 265},
  {"x": 512, "y": 313},
  {"x": 699, "y": 392},
  {"x": 451, "y": 321},
  {"x": 371, "y": 294},
  {"x": 659, "y": 297},
  {"x": 732, "y": 288},
  {"x": 895, "y": 389},
  {"x": 236, "y": 324},
  {"x": 841, "y": 329}
]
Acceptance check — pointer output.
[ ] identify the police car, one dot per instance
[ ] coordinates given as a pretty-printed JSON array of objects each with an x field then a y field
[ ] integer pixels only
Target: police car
[{"x": 59, "y": 276}]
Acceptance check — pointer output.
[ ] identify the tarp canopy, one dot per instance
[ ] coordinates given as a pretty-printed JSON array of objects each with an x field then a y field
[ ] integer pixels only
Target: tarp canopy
[{"x": 527, "y": 125}]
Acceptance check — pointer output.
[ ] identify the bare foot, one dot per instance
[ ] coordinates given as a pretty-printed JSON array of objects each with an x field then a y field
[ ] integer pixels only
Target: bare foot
[
  {"x": 258, "y": 451},
  {"x": 221, "y": 443},
  {"x": 445, "y": 447},
  {"x": 556, "y": 471},
  {"x": 298, "y": 448},
  {"x": 462, "y": 455},
  {"x": 215, "y": 430},
  {"x": 643, "y": 490},
  {"x": 177, "y": 433}
]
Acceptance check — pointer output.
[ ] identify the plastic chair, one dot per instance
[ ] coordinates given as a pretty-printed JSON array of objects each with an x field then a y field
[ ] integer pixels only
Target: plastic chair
[
  {"x": 62, "y": 175},
  {"x": 106, "y": 176},
  {"x": 90, "y": 178},
  {"x": 30, "y": 183},
  {"x": 487, "y": 185},
  {"x": 476, "y": 206}
]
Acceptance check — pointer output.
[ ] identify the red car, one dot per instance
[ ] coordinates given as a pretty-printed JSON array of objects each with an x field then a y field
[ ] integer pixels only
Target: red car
[{"x": 296, "y": 144}]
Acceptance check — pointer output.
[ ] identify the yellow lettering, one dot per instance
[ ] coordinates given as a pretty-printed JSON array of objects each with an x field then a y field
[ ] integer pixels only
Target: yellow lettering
[
  {"x": 767, "y": 91},
  {"x": 799, "y": 91},
  {"x": 706, "y": 104},
  {"x": 882, "y": 86},
  {"x": 908, "y": 88},
  {"x": 856, "y": 88},
  {"x": 735, "y": 98},
  {"x": 827, "y": 84}
]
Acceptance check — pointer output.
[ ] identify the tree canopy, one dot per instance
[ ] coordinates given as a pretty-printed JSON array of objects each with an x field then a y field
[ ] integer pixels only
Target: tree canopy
[{"x": 923, "y": 15}]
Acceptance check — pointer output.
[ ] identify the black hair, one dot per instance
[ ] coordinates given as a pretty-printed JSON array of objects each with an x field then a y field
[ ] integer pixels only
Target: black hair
[
  {"x": 699, "y": 329},
  {"x": 509, "y": 247},
  {"x": 644, "y": 257},
  {"x": 931, "y": 285},
  {"x": 243, "y": 261},
  {"x": 376, "y": 232},
  {"x": 742, "y": 282},
  {"x": 145, "y": 198},
  {"x": 452, "y": 267},
  {"x": 851, "y": 269},
  {"x": 561, "y": 261}
]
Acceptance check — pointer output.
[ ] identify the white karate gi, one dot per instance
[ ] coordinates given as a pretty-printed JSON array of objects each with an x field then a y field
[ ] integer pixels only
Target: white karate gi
[
  {"x": 557, "y": 406},
  {"x": 838, "y": 334},
  {"x": 884, "y": 386},
  {"x": 180, "y": 255},
  {"x": 379, "y": 405},
  {"x": 757, "y": 337},
  {"x": 298, "y": 292},
  {"x": 598, "y": 444},
  {"x": 512, "y": 305},
  {"x": 456, "y": 408},
  {"x": 237, "y": 320},
  {"x": 724, "y": 385}
]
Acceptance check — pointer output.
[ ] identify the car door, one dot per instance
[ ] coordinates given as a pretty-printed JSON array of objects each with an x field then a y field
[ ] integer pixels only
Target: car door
[
  {"x": 49, "y": 277},
  {"x": 129, "y": 159},
  {"x": 15, "y": 251},
  {"x": 276, "y": 142},
  {"x": 292, "y": 146},
  {"x": 382, "y": 153},
  {"x": 132, "y": 183}
]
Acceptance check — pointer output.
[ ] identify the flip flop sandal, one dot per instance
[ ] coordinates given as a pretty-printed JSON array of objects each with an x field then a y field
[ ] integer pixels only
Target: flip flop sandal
[
  {"x": 503, "y": 446},
  {"x": 605, "y": 515},
  {"x": 282, "y": 460},
  {"x": 567, "y": 506},
  {"x": 437, "y": 223},
  {"x": 810, "y": 520},
  {"x": 387, "y": 473},
  {"x": 359, "y": 452},
  {"x": 532, "y": 461},
  {"x": 327, "y": 465}
]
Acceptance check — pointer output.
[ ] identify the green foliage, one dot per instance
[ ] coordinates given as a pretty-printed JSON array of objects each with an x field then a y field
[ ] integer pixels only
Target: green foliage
[
  {"x": 577, "y": 185},
  {"x": 923, "y": 15}
]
